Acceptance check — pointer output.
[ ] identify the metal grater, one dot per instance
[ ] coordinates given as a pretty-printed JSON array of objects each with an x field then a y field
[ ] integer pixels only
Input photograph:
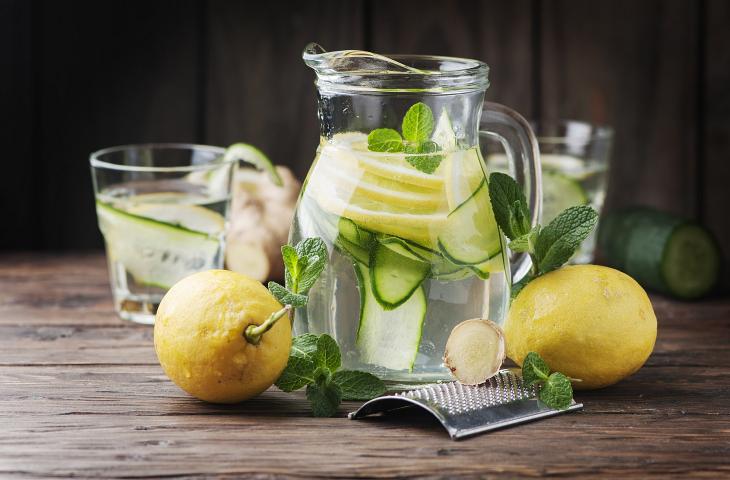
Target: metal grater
[{"x": 466, "y": 410}]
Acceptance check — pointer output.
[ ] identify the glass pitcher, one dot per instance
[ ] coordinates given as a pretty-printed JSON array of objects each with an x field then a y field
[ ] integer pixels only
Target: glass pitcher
[{"x": 398, "y": 191}]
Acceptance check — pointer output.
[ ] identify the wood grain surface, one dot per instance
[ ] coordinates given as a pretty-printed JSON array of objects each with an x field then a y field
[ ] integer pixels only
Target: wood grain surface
[{"x": 81, "y": 395}]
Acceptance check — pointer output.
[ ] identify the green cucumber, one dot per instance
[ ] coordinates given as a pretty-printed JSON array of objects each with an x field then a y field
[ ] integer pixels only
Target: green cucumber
[
  {"x": 356, "y": 252},
  {"x": 354, "y": 233},
  {"x": 664, "y": 253},
  {"x": 388, "y": 338},
  {"x": 409, "y": 249},
  {"x": 395, "y": 277},
  {"x": 558, "y": 193},
  {"x": 155, "y": 253},
  {"x": 471, "y": 235}
]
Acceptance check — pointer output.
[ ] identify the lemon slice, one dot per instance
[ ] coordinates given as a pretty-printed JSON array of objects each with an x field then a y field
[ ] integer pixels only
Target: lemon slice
[
  {"x": 382, "y": 189},
  {"x": 464, "y": 174},
  {"x": 349, "y": 151}
]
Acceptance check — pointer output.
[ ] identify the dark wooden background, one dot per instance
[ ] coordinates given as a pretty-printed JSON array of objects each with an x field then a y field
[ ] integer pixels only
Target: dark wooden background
[{"x": 81, "y": 75}]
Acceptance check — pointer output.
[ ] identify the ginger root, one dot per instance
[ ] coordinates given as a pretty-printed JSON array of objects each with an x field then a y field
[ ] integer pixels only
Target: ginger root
[
  {"x": 261, "y": 214},
  {"x": 475, "y": 351}
]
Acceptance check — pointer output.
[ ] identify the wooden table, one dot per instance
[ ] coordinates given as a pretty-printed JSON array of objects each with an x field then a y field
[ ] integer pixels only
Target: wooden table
[{"x": 81, "y": 394}]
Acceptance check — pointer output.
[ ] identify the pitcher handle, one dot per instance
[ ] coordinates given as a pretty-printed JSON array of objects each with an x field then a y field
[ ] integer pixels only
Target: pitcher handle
[{"x": 514, "y": 133}]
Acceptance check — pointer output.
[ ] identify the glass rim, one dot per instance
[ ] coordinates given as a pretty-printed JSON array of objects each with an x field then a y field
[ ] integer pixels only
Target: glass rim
[
  {"x": 468, "y": 75},
  {"x": 96, "y": 162},
  {"x": 595, "y": 131}
]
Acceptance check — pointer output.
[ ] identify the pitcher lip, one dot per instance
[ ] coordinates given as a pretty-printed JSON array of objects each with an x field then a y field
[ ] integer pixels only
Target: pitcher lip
[{"x": 427, "y": 74}]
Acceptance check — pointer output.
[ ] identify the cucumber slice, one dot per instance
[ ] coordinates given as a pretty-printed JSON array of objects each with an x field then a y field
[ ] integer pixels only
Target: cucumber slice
[
  {"x": 662, "y": 252},
  {"x": 409, "y": 249},
  {"x": 558, "y": 193},
  {"x": 444, "y": 270},
  {"x": 155, "y": 252},
  {"x": 394, "y": 277},
  {"x": 355, "y": 234},
  {"x": 471, "y": 235},
  {"x": 356, "y": 252},
  {"x": 389, "y": 338},
  {"x": 252, "y": 155}
]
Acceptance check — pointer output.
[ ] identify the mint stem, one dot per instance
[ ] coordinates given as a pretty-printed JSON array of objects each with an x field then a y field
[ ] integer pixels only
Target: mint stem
[{"x": 253, "y": 333}]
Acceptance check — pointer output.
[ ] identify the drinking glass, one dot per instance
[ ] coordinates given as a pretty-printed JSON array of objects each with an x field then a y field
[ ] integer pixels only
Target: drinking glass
[
  {"x": 163, "y": 212},
  {"x": 575, "y": 159}
]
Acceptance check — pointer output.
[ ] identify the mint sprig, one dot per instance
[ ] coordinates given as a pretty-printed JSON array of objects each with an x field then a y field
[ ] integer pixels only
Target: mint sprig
[
  {"x": 417, "y": 127},
  {"x": 555, "y": 389},
  {"x": 549, "y": 247},
  {"x": 314, "y": 362},
  {"x": 302, "y": 265}
]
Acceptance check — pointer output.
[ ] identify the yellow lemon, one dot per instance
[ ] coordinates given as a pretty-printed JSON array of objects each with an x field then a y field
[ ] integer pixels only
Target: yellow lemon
[
  {"x": 199, "y": 337},
  {"x": 589, "y": 322}
]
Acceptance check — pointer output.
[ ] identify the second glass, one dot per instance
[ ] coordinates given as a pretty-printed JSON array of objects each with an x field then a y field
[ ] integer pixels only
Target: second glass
[{"x": 163, "y": 212}]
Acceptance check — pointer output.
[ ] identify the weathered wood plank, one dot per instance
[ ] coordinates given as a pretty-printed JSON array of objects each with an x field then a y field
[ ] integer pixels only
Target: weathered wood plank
[
  {"x": 495, "y": 31},
  {"x": 716, "y": 107},
  {"x": 258, "y": 89},
  {"x": 85, "y": 400},
  {"x": 631, "y": 65},
  {"x": 132, "y": 422},
  {"x": 109, "y": 73},
  {"x": 43, "y": 289}
]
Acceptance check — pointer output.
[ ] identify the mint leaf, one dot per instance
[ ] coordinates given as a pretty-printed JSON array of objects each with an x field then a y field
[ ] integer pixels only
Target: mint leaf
[
  {"x": 304, "y": 346},
  {"x": 426, "y": 163},
  {"x": 314, "y": 251},
  {"x": 534, "y": 369},
  {"x": 357, "y": 385},
  {"x": 328, "y": 353},
  {"x": 298, "y": 373},
  {"x": 526, "y": 242},
  {"x": 285, "y": 297},
  {"x": 291, "y": 271},
  {"x": 509, "y": 205},
  {"x": 559, "y": 240},
  {"x": 385, "y": 140},
  {"x": 557, "y": 392},
  {"x": 418, "y": 123},
  {"x": 324, "y": 398}
]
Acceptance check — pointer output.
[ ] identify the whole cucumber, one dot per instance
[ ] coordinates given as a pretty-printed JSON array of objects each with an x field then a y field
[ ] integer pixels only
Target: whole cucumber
[{"x": 663, "y": 252}]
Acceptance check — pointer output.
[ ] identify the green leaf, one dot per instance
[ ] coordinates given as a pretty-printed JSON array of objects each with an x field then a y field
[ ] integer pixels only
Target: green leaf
[
  {"x": 427, "y": 163},
  {"x": 285, "y": 297},
  {"x": 525, "y": 243},
  {"x": 328, "y": 353},
  {"x": 314, "y": 251},
  {"x": 324, "y": 399},
  {"x": 299, "y": 372},
  {"x": 559, "y": 240},
  {"x": 534, "y": 369},
  {"x": 557, "y": 392},
  {"x": 291, "y": 271},
  {"x": 357, "y": 385},
  {"x": 509, "y": 205},
  {"x": 304, "y": 346},
  {"x": 418, "y": 123},
  {"x": 385, "y": 140}
]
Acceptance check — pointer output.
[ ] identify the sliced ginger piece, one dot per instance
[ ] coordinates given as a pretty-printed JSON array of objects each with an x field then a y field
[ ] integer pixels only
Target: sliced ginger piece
[{"x": 475, "y": 351}]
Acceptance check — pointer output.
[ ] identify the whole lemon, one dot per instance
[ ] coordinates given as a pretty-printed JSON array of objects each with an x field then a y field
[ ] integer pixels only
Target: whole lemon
[
  {"x": 589, "y": 322},
  {"x": 199, "y": 336}
]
